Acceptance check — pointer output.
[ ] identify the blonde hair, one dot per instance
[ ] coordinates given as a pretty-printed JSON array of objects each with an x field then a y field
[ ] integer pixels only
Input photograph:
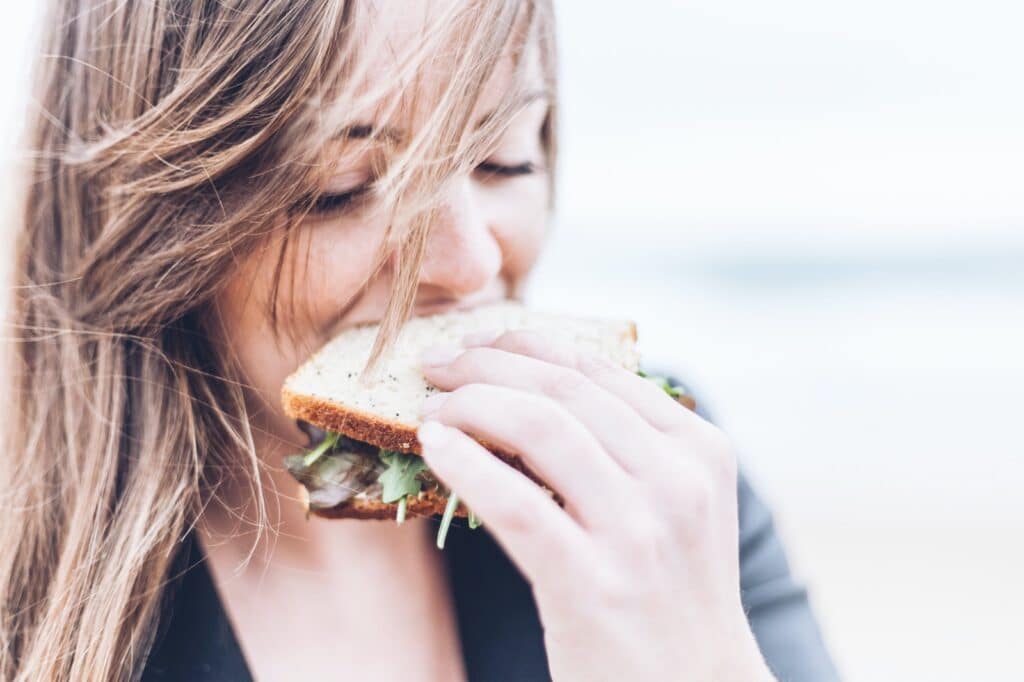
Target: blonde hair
[{"x": 169, "y": 139}]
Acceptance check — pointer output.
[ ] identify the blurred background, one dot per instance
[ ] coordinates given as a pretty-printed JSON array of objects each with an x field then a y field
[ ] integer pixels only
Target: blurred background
[{"x": 814, "y": 211}]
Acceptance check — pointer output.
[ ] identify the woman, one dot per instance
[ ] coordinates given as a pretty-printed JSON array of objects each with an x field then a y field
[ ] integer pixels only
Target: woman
[{"x": 218, "y": 187}]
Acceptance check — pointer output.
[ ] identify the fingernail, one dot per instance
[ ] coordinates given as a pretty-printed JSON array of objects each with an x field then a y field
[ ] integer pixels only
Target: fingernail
[
  {"x": 438, "y": 356},
  {"x": 431, "y": 435},
  {"x": 432, "y": 405},
  {"x": 484, "y": 337}
]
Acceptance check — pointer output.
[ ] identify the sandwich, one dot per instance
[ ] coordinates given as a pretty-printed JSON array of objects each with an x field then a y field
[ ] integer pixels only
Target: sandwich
[{"x": 364, "y": 460}]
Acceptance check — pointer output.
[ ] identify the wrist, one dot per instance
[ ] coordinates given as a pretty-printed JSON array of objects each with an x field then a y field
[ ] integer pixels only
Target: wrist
[
  {"x": 752, "y": 671},
  {"x": 745, "y": 664}
]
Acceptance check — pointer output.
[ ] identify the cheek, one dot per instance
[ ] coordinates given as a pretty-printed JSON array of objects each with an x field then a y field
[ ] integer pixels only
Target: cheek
[
  {"x": 246, "y": 337},
  {"x": 520, "y": 220},
  {"x": 337, "y": 259},
  {"x": 324, "y": 268}
]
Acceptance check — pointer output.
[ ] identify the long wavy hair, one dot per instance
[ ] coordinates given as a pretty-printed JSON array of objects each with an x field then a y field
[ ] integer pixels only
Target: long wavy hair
[{"x": 168, "y": 139}]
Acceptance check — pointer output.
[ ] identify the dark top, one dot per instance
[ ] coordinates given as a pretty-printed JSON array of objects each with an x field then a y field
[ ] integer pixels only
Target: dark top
[
  {"x": 499, "y": 629},
  {"x": 498, "y": 625}
]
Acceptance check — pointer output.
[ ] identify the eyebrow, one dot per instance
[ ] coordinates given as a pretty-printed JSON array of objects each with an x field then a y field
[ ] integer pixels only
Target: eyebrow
[
  {"x": 527, "y": 99},
  {"x": 365, "y": 131}
]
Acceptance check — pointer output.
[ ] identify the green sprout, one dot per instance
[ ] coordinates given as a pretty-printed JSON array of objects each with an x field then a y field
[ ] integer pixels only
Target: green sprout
[
  {"x": 673, "y": 391},
  {"x": 326, "y": 444},
  {"x": 446, "y": 520},
  {"x": 399, "y": 480}
]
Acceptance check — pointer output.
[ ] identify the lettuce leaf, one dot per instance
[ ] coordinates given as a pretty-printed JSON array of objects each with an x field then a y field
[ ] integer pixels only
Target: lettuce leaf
[
  {"x": 326, "y": 444},
  {"x": 673, "y": 391},
  {"x": 399, "y": 479},
  {"x": 446, "y": 520}
]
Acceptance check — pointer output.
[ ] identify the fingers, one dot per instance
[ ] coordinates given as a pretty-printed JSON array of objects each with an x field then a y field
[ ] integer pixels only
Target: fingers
[
  {"x": 623, "y": 433},
  {"x": 549, "y": 439},
  {"x": 645, "y": 397},
  {"x": 528, "y": 524}
]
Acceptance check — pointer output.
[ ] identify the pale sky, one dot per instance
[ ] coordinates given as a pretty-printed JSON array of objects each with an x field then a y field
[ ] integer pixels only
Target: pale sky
[
  {"x": 896, "y": 113},
  {"x": 740, "y": 115},
  {"x": 797, "y": 113}
]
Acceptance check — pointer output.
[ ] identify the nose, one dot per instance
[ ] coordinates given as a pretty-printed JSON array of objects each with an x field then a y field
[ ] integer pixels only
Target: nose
[{"x": 462, "y": 255}]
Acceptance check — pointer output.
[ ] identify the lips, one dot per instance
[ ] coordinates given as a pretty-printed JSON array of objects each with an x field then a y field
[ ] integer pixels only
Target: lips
[
  {"x": 429, "y": 305},
  {"x": 450, "y": 304}
]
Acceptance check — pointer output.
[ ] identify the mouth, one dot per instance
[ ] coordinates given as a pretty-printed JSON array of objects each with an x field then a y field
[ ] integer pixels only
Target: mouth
[
  {"x": 424, "y": 305},
  {"x": 349, "y": 470},
  {"x": 444, "y": 305}
]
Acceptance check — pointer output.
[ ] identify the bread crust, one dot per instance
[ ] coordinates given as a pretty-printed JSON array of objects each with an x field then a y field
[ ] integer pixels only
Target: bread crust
[
  {"x": 387, "y": 434},
  {"x": 426, "y": 504},
  {"x": 390, "y": 435},
  {"x": 401, "y": 437},
  {"x": 369, "y": 428}
]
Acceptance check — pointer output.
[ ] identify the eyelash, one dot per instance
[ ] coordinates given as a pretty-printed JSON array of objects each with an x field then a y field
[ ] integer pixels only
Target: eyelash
[
  {"x": 334, "y": 203},
  {"x": 501, "y": 170}
]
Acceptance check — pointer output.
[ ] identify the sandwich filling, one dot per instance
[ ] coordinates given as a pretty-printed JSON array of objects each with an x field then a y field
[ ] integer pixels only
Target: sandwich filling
[{"x": 339, "y": 470}]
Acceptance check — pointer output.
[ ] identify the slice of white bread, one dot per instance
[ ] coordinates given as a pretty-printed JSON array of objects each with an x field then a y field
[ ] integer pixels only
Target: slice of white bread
[{"x": 327, "y": 392}]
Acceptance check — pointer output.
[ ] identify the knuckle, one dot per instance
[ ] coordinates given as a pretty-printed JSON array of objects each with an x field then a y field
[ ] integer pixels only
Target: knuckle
[
  {"x": 511, "y": 517},
  {"x": 638, "y": 565},
  {"x": 643, "y": 538},
  {"x": 526, "y": 341},
  {"x": 713, "y": 437},
  {"x": 647, "y": 548},
  {"x": 472, "y": 361},
  {"x": 690, "y": 508},
  {"x": 596, "y": 366},
  {"x": 465, "y": 397},
  {"x": 721, "y": 455},
  {"x": 727, "y": 466},
  {"x": 546, "y": 422},
  {"x": 698, "y": 499},
  {"x": 538, "y": 344},
  {"x": 682, "y": 419},
  {"x": 612, "y": 587},
  {"x": 565, "y": 384},
  {"x": 701, "y": 494}
]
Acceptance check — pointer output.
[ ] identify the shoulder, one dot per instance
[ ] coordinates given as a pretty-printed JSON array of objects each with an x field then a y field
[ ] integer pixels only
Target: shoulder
[
  {"x": 194, "y": 639},
  {"x": 776, "y": 602}
]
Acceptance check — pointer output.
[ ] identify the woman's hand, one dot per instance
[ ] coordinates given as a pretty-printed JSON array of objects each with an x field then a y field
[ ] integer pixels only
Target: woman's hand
[{"x": 638, "y": 576}]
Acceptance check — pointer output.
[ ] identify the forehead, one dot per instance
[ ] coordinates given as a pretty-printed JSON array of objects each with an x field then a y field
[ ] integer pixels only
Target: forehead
[{"x": 410, "y": 48}]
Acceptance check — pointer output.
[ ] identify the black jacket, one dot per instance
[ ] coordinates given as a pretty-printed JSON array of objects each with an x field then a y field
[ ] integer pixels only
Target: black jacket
[{"x": 195, "y": 641}]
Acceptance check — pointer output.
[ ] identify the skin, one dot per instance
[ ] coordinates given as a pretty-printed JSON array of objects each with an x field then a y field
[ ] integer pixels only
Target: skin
[{"x": 637, "y": 578}]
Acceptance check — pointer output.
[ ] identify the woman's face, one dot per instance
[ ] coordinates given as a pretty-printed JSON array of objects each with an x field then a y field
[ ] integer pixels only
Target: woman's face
[{"x": 487, "y": 236}]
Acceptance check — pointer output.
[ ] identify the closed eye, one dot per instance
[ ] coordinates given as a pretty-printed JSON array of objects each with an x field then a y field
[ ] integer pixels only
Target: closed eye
[
  {"x": 327, "y": 204},
  {"x": 489, "y": 168}
]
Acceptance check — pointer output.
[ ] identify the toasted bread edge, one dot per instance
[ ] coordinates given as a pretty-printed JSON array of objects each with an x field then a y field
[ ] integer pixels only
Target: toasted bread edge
[
  {"x": 428, "y": 504},
  {"x": 368, "y": 428}
]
